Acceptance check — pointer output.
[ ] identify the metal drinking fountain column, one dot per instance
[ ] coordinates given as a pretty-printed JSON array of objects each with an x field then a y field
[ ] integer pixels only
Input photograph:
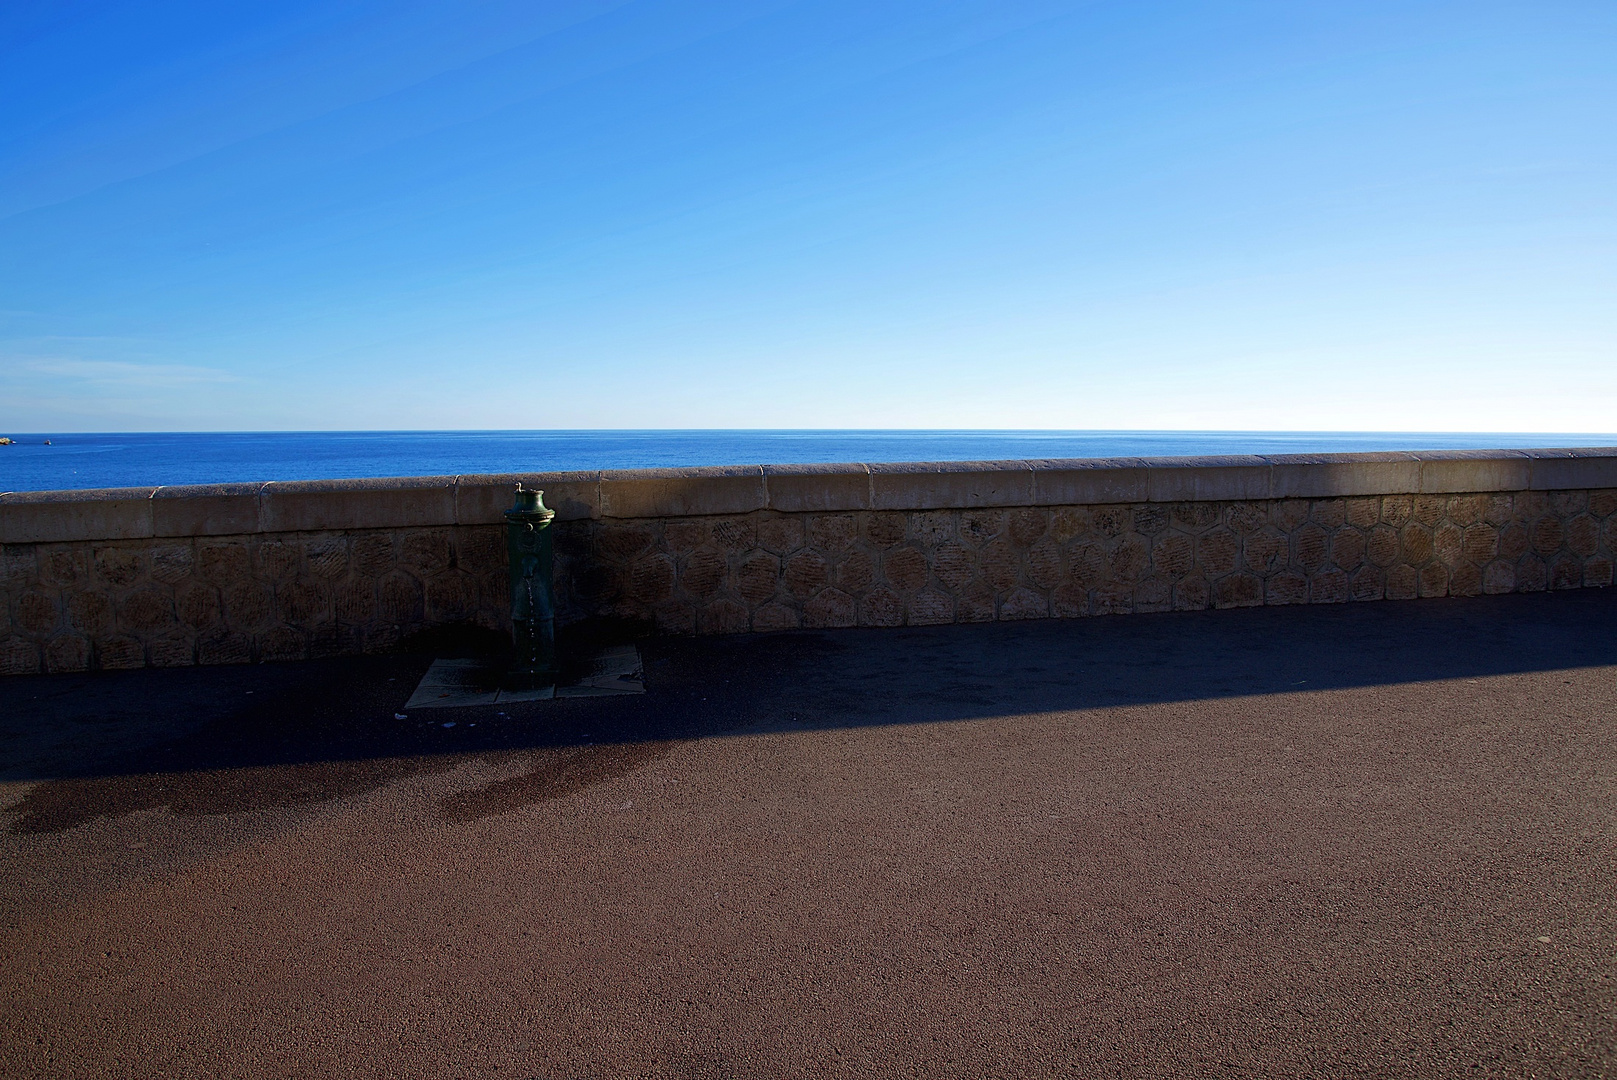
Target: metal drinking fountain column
[{"x": 533, "y": 596}]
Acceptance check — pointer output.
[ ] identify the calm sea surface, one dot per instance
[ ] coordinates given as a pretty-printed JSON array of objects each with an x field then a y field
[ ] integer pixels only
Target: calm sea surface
[{"x": 112, "y": 460}]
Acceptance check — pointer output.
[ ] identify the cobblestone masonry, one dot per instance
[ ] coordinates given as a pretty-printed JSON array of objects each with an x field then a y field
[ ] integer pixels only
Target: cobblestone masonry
[{"x": 165, "y": 601}]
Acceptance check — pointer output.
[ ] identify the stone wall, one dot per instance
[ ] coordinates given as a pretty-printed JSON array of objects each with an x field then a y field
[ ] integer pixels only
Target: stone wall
[{"x": 236, "y": 573}]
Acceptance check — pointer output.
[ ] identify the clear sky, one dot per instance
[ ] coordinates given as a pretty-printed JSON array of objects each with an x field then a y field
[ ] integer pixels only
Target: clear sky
[{"x": 941, "y": 213}]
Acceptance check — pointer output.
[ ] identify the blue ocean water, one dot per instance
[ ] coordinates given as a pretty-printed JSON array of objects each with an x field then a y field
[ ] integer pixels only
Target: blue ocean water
[{"x": 132, "y": 460}]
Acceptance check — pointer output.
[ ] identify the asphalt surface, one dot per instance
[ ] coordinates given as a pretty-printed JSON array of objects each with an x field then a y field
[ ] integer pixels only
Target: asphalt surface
[{"x": 1374, "y": 840}]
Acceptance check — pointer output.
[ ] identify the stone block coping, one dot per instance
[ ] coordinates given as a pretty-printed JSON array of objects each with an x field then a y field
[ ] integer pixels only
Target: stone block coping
[{"x": 230, "y": 509}]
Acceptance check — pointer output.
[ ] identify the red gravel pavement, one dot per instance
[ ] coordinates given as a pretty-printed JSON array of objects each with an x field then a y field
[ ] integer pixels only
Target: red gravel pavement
[{"x": 1375, "y": 841}]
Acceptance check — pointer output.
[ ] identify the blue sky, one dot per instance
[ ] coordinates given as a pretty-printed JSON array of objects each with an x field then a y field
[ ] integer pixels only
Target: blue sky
[{"x": 1235, "y": 215}]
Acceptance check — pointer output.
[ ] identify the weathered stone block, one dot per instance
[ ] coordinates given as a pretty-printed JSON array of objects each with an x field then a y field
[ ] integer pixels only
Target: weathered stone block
[
  {"x": 703, "y": 574},
  {"x": 1397, "y": 510},
  {"x": 1403, "y": 583},
  {"x": 1043, "y": 562},
  {"x": 930, "y": 608},
  {"x": 1465, "y": 580},
  {"x": 651, "y": 580},
  {"x": 1153, "y": 593},
  {"x": 19, "y": 657},
  {"x": 881, "y": 607},
  {"x": 451, "y": 596},
  {"x": 1247, "y": 517},
  {"x": 885, "y": 529},
  {"x": 776, "y": 616},
  {"x": 247, "y": 605},
  {"x": 1329, "y": 586},
  {"x": 1173, "y": 554},
  {"x": 780, "y": 534},
  {"x": 282, "y": 643},
  {"x": 120, "y": 566},
  {"x": 224, "y": 562},
  {"x": 1415, "y": 543},
  {"x": 855, "y": 573},
  {"x": 1434, "y": 579},
  {"x": 975, "y": 603},
  {"x": 1467, "y": 509},
  {"x": 1001, "y": 566},
  {"x": 1566, "y": 572},
  {"x": 1362, "y": 513},
  {"x": 172, "y": 563},
  {"x": 224, "y": 647},
  {"x": 174, "y": 649},
  {"x": 146, "y": 610},
  {"x": 1481, "y": 543},
  {"x": 67, "y": 652},
  {"x": 1087, "y": 565},
  {"x": 805, "y": 574},
  {"x": 90, "y": 612},
  {"x": 425, "y": 551},
  {"x": 1583, "y": 535},
  {"x": 722, "y": 617},
  {"x": 1448, "y": 471},
  {"x": 757, "y": 577},
  {"x": 1112, "y": 598},
  {"x": 831, "y": 534},
  {"x": 1548, "y": 534},
  {"x": 1216, "y": 552},
  {"x": 1110, "y": 522},
  {"x": 37, "y": 614},
  {"x": 1129, "y": 559},
  {"x": 57, "y": 517},
  {"x": 196, "y": 605},
  {"x": 399, "y": 600},
  {"x": 1196, "y": 517},
  {"x": 1237, "y": 590},
  {"x": 1447, "y": 542},
  {"x": 1264, "y": 552},
  {"x": 830, "y": 608},
  {"x": 276, "y": 560},
  {"x": 1368, "y": 583},
  {"x": 1286, "y": 587},
  {"x": 1023, "y": 604},
  {"x": 1348, "y": 547},
  {"x": 675, "y": 617},
  {"x": 119, "y": 654},
  {"x": 1200, "y": 479},
  {"x": 905, "y": 569},
  {"x": 1089, "y": 481},
  {"x": 1430, "y": 509},
  {"x": 205, "y": 510},
  {"x": 1069, "y": 522},
  {"x": 1151, "y": 519},
  {"x": 1531, "y": 574},
  {"x": 1068, "y": 602},
  {"x": 1597, "y": 572},
  {"x": 325, "y": 505},
  {"x": 978, "y": 527},
  {"x": 1288, "y": 514},
  {"x": 1192, "y": 594},
  {"x": 1328, "y": 514},
  {"x": 326, "y": 556},
  {"x": 684, "y": 537},
  {"x": 355, "y": 599},
  {"x": 1499, "y": 576},
  {"x": 1312, "y": 547},
  {"x": 817, "y": 488},
  {"x": 951, "y": 485}
]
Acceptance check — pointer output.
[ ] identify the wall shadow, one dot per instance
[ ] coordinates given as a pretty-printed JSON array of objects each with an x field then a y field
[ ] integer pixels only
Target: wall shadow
[{"x": 225, "y": 740}]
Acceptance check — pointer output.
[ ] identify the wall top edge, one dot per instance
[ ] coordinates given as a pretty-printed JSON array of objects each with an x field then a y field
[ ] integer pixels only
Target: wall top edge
[{"x": 935, "y": 485}]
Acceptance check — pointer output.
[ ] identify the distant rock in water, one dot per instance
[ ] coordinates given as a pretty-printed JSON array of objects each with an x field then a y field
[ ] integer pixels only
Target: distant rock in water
[{"x": 5, "y": 441}]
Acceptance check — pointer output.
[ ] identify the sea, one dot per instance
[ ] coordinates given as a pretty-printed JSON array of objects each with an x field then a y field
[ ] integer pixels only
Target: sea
[{"x": 45, "y": 461}]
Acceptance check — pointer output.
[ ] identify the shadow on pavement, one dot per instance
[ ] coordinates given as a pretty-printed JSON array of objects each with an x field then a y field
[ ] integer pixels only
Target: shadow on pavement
[{"x": 224, "y": 740}]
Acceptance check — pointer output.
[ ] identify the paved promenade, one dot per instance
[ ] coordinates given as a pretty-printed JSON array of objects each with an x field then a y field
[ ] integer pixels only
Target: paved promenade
[{"x": 1374, "y": 840}]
